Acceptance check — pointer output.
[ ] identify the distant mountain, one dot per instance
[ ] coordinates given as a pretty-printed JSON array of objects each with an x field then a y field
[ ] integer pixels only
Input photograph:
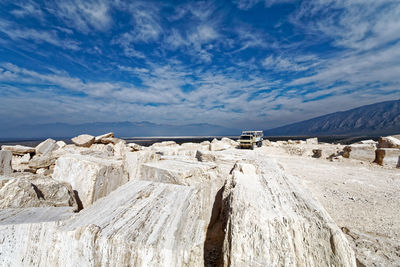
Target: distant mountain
[
  {"x": 121, "y": 129},
  {"x": 377, "y": 119}
]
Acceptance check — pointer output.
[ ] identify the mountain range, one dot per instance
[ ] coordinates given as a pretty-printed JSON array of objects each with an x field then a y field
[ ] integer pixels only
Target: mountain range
[{"x": 371, "y": 120}]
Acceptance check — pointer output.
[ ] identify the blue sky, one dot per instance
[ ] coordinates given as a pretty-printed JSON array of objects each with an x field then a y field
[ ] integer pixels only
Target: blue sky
[{"x": 243, "y": 63}]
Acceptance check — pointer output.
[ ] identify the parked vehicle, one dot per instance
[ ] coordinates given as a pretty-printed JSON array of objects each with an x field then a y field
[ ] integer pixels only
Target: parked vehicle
[{"x": 249, "y": 139}]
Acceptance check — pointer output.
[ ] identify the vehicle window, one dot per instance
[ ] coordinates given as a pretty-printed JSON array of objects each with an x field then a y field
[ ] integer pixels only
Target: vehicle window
[{"x": 246, "y": 137}]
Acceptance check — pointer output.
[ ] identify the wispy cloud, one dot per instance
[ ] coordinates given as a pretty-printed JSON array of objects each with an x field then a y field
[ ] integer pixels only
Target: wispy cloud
[
  {"x": 83, "y": 16},
  {"x": 18, "y": 33}
]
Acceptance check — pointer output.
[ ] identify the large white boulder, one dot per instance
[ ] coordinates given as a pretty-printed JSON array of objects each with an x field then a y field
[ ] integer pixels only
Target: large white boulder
[
  {"x": 364, "y": 152},
  {"x": 91, "y": 177},
  {"x": 84, "y": 140},
  {"x": 312, "y": 141},
  {"x": 140, "y": 224},
  {"x": 270, "y": 220},
  {"x": 29, "y": 190},
  {"x": 18, "y": 150},
  {"x": 5, "y": 162},
  {"x": 46, "y": 147},
  {"x": 219, "y": 145}
]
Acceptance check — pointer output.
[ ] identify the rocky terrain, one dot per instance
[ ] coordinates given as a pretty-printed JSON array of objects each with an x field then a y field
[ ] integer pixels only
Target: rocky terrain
[{"x": 104, "y": 202}]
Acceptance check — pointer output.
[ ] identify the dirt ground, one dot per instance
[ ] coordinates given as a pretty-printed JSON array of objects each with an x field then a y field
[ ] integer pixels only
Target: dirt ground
[{"x": 363, "y": 198}]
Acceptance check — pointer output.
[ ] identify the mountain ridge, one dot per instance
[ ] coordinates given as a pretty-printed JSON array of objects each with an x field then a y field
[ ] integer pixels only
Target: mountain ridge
[{"x": 382, "y": 118}]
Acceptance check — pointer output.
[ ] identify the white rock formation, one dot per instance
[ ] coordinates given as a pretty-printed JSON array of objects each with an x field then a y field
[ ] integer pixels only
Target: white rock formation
[
  {"x": 20, "y": 163},
  {"x": 312, "y": 141},
  {"x": 219, "y": 145},
  {"x": 134, "y": 160},
  {"x": 364, "y": 152},
  {"x": 177, "y": 172},
  {"x": 270, "y": 221},
  {"x": 61, "y": 144},
  {"x": 46, "y": 147},
  {"x": 91, "y": 177},
  {"x": 140, "y": 224},
  {"x": 5, "y": 162},
  {"x": 83, "y": 140},
  {"x": 98, "y": 139},
  {"x": 18, "y": 150},
  {"x": 35, "y": 191},
  {"x": 203, "y": 156},
  {"x": 44, "y": 161}
]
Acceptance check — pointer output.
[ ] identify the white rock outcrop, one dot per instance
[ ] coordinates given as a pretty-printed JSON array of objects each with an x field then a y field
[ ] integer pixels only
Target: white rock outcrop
[
  {"x": 20, "y": 163},
  {"x": 312, "y": 141},
  {"x": 5, "y": 162},
  {"x": 269, "y": 220},
  {"x": 90, "y": 176},
  {"x": 46, "y": 147},
  {"x": 364, "y": 152},
  {"x": 84, "y": 140},
  {"x": 98, "y": 139},
  {"x": 140, "y": 224},
  {"x": 35, "y": 191}
]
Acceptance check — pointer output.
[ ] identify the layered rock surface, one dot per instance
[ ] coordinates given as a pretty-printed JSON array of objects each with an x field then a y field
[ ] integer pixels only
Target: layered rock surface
[
  {"x": 206, "y": 204},
  {"x": 286, "y": 227}
]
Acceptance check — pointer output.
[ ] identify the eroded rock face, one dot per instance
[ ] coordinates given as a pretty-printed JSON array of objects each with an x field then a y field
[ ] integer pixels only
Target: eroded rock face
[
  {"x": 5, "y": 162},
  {"x": 90, "y": 176},
  {"x": 18, "y": 150},
  {"x": 84, "y": 140},
  {"x": 269, "y": 219}
]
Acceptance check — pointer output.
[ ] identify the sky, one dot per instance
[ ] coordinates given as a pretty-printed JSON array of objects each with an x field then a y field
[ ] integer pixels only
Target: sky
[{"x": 239, "y": 64}]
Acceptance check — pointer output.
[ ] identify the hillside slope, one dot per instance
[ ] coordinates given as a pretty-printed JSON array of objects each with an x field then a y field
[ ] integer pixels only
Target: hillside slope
[{"x": 377, "y": 119}]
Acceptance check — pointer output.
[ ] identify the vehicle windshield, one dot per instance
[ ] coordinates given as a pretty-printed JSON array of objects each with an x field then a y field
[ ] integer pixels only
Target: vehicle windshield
[{"x": 245, "y": 137}]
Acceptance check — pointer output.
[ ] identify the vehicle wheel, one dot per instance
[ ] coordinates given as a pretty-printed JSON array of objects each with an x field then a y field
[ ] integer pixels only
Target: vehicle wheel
[{"x": 252, "y": 146}]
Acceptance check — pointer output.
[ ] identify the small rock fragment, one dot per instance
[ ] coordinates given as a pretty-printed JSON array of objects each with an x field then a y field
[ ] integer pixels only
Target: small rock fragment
[{"x": 83, "y": 140}]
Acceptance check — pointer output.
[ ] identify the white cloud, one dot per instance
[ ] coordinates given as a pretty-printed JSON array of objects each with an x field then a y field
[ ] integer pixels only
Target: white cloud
[
  {"x": 28, "y": 8},
  {"x": 279, "y": 63},
  {"x": 83, "y": 16},
  {"x": 17, "y": 33},
  {"x": 360, "y": 25},
  {"x": 247, "y": 4}
]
